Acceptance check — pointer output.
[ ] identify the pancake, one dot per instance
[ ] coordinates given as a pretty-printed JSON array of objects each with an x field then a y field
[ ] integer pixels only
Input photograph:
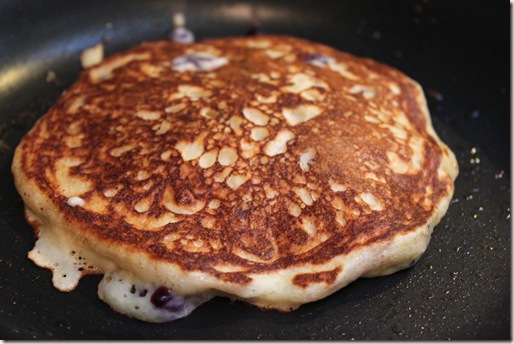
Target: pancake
[{"x": 268, "y": 169}]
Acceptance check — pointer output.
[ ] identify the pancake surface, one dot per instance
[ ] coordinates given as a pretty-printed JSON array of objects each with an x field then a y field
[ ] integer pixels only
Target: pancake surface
[{"x": 269, "y": 169}]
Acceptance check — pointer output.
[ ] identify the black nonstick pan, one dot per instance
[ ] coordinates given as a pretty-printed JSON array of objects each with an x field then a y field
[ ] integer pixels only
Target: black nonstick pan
[{"x": 458, "y": 50}]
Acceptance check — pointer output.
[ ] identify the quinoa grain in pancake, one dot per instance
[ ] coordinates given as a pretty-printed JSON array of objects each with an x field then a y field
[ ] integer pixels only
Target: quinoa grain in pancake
[{"x": 269, "y": 169}]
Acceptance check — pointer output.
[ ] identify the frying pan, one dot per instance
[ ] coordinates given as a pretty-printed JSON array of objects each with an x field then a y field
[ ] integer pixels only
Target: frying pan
[{"x": 457, "y": 50}]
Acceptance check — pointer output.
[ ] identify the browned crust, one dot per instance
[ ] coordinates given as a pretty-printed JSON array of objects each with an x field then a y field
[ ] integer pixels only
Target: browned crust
[
  {"x": 261, "y": 228},
  {"x": 328, "y": 277}
]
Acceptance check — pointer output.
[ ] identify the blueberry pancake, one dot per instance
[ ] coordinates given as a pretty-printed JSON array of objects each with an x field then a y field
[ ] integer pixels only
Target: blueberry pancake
[{"x": 267, "y": 169}]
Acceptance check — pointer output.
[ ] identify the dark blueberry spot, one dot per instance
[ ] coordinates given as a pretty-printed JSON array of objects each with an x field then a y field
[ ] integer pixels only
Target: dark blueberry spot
[
  {"x": 81, "y": 269},
  {"x": 133, "y": 289},
  {"x": 143, "y": 293},
  {"x": 315, "y": 59},
  {"x": 161, "y": 296},
  {"x": 195, "y": 59}
]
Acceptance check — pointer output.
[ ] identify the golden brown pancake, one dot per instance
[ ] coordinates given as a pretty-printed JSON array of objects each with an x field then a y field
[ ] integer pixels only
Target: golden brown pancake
[{"x": 268, "y": 169}]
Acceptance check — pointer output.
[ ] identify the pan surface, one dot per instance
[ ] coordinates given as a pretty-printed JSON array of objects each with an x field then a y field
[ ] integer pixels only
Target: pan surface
[{"x": 459, "y": 51}]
